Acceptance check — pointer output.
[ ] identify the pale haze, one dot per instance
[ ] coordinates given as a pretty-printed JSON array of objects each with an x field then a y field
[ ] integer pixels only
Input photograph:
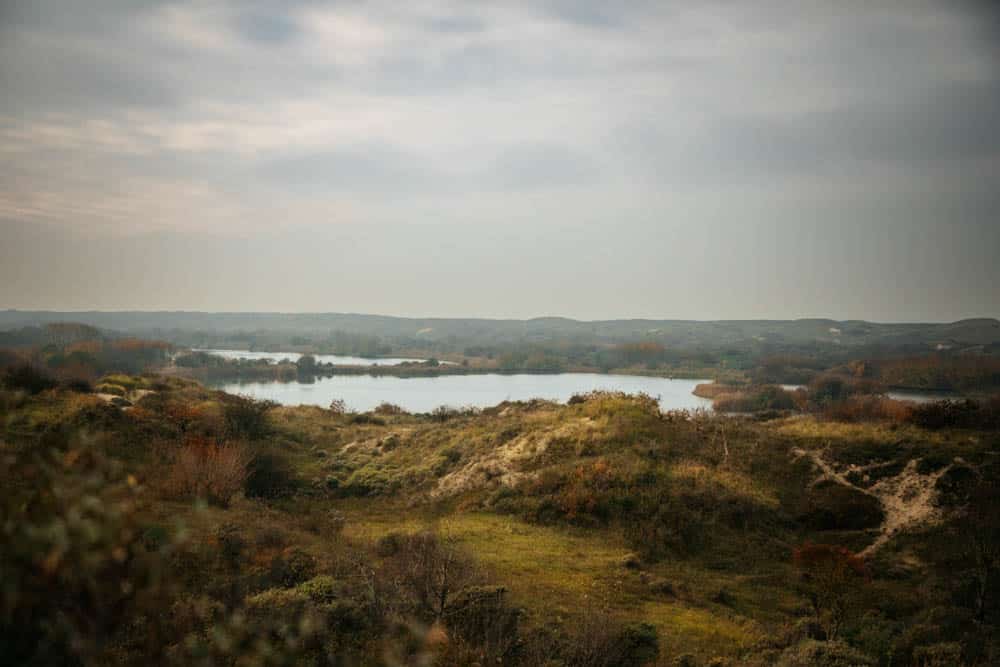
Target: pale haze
[{"x": 513, "y": 159}]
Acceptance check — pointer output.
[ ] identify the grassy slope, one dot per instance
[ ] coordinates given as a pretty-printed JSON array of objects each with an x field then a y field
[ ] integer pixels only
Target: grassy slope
[{"x": 556, "y": 571}]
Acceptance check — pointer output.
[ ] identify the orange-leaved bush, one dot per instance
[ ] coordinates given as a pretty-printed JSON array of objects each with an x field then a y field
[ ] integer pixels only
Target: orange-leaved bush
[{"x": 203, "y": 468}]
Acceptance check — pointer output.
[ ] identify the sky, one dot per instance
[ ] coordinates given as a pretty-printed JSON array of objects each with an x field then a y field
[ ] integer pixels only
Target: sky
[{"x": 588, "y": 159}]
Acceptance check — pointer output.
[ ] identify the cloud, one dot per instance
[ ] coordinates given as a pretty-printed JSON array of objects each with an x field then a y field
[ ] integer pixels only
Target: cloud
[{"x": 127, "y": 118}]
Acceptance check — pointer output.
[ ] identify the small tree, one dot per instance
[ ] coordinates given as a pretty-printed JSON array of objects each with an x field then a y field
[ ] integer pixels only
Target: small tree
[
  {"x": 832, "y": 577},
  {"x": 306, "y": 364},
  {"x": 432, "y": 570}
]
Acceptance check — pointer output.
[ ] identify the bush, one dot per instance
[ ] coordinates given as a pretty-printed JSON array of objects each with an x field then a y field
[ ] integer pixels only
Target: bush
[
  {"x": 389, "y": 409},
  {"x": 831, "y": 578},
  {"x": 480, "y": 616},
  {"x": 867, "y": 408},
  {"x": 76, "y": 570},
  {"x": 367, "y": 419},
  {"x": 768, "y": 397},
  {"x": 269, "y": 476},
  {"x": 29, "y": 378},
  {"x": 431, "y": 571},
  {"x": 207, "y": 470},
  {"x": 292, "y": 567},
  {"x": 833, "y": 506},
  {"x": 604, "y": 641},
  {"x": 246, "y": 417},
  {"x": 389, "y": 544},
  {"x": 957, "y": 414},
  {"x": 812, "y": 653},
  {"x": 79, "y": 385}
]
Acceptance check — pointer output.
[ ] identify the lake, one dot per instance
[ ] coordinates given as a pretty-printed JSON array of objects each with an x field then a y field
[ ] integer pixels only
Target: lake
[
  {"x": 423, "y": 394},
  {"x": 338, "y": 359}
]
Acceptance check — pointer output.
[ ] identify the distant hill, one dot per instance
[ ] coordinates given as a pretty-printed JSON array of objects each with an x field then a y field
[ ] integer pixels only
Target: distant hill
[{"x": 679, "y": 333}]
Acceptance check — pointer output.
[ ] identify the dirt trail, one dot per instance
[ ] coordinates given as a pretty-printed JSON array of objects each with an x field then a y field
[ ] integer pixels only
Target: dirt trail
[{"x": 907, "y": 498}]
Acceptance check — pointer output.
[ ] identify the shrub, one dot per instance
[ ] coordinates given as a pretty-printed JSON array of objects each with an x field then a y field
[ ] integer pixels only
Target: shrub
[
  {"x": 246, "y": 417},
  {"x": 113, "y": 389},
  {"x": 604, "y": 641},
  {"x": 367, "y": 419},
  {"x": 867, "y": 408},
  {"x": 388, "y": 409},
  {"x": 831, "y": 578},
  {"x": 833, "y": 506},
  {"x": 812, "y": 653},
  {"x": 29, "y": 378},
  {"x": 389, "y": 544},
  {"x": 292, "y": 567},
  {"x": 431, "y": 571},
  {"x": 957, "y": 414},
  {"x": 208, "y": 470},
  {"x": 269, "y": 476},
  {"x": 76, "y": 569},
  {"x": 480, "y": 616},
  {"x": 768, "y": 397},
  {"x": 79, "y": 385}
]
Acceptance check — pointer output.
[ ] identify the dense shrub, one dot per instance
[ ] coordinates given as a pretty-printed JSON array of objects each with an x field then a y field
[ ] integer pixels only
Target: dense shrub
[
  {"x": 957, "y": 414},
  {"x": 246, "y": 417},
  {"x": 443, "y": 413},
  {"x": 768, "y": 397},
  {"x": 292, "y": 567},
  {"x": 388, "y": 409},
  {"x": 365, "y": 418},
  {"x": 211, "y": 471},
  {"x": 431, "y": 571},
  {"x": 79, "y": 385},
  {"x": 940, "y": 372},
  {"x": 76, "y": 571},
  {"x": 834, "y": 506},
  {"x": 812, "y": 653},
  {"x": 831, "y": 388},
  {"x": 29, "y": 378},
  {"x": 108, "y": 388},
  {"x": 870, "y": 407},
  {"x": 269, "y": 476},
  {"x": 605, "y": 641},
  {"x": 831, "y": 578}
]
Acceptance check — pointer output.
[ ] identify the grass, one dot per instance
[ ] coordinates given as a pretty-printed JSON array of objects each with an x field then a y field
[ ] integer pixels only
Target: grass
[
  {"x": 559, "y": 573},
  {"x": 720, "y": 599}
]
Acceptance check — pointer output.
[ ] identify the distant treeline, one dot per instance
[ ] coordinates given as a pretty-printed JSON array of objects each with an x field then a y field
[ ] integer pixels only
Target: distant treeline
[{"x": 70, "y": 351}]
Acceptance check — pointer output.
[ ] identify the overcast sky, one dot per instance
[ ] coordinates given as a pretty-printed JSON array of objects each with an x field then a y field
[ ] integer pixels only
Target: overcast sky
[{"x": 504, "y": 159}]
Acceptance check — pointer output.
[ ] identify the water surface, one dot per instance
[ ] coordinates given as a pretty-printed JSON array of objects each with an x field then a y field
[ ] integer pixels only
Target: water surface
[{"x": 423, "y": 394}]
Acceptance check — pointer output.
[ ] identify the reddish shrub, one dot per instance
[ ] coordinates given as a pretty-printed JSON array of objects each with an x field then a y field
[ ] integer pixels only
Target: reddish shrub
[
  {"x": 209, "y": 470},
  {"x": 868, "y": 408}
]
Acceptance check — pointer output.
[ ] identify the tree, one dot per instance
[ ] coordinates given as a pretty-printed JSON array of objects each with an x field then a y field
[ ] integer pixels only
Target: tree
[
  {"x": 306, "y": 364},
  {"x": 432, "y": 570},
  {"x": 832, "y": 577}
]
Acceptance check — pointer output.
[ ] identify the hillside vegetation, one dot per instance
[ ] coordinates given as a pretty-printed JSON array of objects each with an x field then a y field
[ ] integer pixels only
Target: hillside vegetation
[{"x": 196, "y": 527}]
